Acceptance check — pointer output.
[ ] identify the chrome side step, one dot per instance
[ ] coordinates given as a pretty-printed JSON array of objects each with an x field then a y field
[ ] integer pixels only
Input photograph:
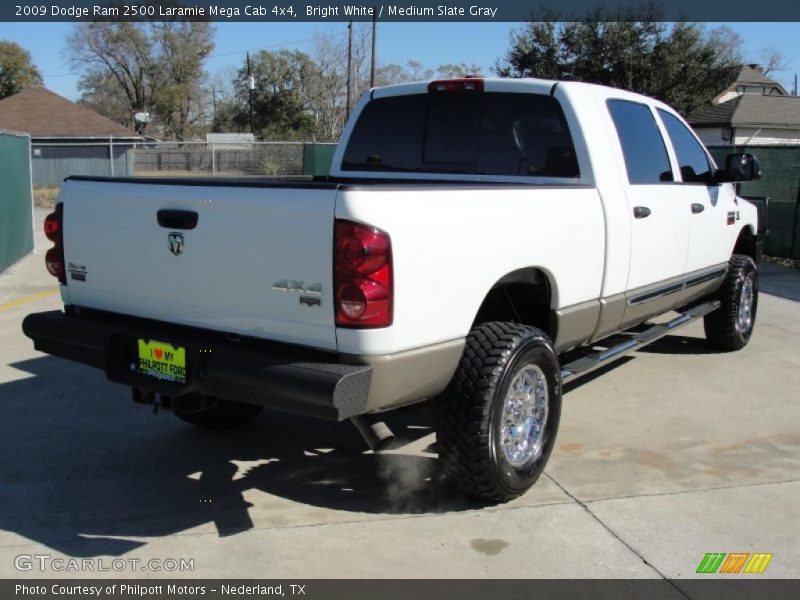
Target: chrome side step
[{"x": 589, "y": 363}]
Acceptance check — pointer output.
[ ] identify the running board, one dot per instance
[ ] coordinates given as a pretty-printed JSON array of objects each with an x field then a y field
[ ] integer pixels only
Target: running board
[{"x": 589, "y": 363}]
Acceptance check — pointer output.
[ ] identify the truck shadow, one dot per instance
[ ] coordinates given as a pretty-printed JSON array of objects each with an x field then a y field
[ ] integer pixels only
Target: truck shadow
[
  {"x": 680, "y": 344},
  {"x": 86, "y": 472}
]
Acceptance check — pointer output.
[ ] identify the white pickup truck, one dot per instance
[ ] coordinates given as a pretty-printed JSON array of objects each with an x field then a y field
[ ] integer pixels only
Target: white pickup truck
[{"x": 478, "y": 243}]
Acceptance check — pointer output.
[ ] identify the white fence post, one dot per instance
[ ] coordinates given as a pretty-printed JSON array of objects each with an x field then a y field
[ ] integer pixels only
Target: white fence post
[{"x": 213, "y": 161}]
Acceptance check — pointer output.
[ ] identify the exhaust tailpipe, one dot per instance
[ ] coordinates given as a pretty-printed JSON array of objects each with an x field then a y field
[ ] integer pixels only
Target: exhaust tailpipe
[{"x": 375, "y": 432}]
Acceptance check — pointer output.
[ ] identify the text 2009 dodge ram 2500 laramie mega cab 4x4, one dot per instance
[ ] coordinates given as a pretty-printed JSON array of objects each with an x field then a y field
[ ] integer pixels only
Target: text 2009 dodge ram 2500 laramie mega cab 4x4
[{"x": 478, "y": 243}]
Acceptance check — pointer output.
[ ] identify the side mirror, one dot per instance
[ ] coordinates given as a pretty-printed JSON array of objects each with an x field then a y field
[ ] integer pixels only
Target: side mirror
[{"x": 739, "y": 167}]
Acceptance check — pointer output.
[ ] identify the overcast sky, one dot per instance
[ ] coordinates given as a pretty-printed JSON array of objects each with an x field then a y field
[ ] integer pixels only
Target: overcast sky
[{"x": 429, "y": 43}]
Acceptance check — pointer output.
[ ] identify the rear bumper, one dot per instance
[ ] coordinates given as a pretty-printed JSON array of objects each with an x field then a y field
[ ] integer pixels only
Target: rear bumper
[{"x": 270, "y": 374}]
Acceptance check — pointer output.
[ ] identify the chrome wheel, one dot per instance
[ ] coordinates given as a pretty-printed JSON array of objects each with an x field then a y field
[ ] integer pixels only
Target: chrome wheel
[
  {"x": 744, "y": 318},
  {"x": 524, "y": 416}
]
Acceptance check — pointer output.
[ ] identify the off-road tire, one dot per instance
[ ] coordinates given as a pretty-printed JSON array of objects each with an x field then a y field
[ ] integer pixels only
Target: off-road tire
[
  {"x": 722, "y": 327},
  {"x": 221, "y": 414},
  {"x": 469, "y": 410}
]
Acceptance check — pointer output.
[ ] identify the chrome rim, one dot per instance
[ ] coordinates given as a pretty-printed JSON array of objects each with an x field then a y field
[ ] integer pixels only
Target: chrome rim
[
  {"x": 745, "y": 317},
  {"x": 524, "y": 416}
]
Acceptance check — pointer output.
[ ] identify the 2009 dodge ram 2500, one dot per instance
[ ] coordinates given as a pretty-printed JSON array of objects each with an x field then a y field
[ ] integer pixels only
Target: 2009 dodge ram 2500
[{"x": 478, "y": 243}]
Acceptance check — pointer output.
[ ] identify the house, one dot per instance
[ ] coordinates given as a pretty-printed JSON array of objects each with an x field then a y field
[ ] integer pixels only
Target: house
[
  {"x": 754, "y": 110},
  {"x": 751, "y": 80},
  {"x": 67, "y": 138}
]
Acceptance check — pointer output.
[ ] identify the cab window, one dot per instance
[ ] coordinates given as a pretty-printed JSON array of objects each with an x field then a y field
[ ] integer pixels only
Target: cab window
[
  {"x": 643, "y": 148},
  {"x": 461, "y": 133},
  {"x": 692, "y": 158}
]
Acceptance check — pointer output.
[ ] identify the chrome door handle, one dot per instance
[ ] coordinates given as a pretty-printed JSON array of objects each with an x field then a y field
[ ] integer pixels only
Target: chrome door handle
[
  {"x": 640, "y": 212},
  {"x": 697, "y": 208}
]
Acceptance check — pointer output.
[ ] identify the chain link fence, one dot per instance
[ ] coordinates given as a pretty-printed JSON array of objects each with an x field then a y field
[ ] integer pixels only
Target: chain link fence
[
  {"x": 247, "y": 158},
  {"x": 53, "y": 161},
  {"x": 780, "y": 183}
]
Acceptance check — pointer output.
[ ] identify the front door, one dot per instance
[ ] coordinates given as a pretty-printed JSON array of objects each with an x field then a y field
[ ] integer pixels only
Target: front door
[{"x": 712, "y": 207}]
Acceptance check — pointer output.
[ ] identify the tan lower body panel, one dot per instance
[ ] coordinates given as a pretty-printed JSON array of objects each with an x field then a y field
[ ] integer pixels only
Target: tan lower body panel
[
  {"x": 649, "y": 301},
  {"x": 612, "y": 310},
  {"x": 415, "y": 375},
  {"x": 574, "y": 325},
  {"x": 411, "y": 376},
  {"x": 596, "y": 319}
]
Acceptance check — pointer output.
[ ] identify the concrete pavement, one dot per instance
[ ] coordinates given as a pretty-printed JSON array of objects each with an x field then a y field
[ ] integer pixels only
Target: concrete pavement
[{"x": 670, "y": 454}]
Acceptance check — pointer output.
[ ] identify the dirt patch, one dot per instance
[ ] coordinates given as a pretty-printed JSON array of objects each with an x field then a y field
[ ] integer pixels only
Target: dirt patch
[
  {"x": 792, "y": 263},
  {"x": 45, "y": 197}
]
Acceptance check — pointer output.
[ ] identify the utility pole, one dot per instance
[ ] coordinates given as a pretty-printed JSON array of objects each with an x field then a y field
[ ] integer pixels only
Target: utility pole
[
  {"x": 251, "y": 85},
  {"x": 349, "y": 68},
  {"x": 374, "y": 31},
  {"x": 214, "y": 104},
  {"x": 795, "y": 84}
]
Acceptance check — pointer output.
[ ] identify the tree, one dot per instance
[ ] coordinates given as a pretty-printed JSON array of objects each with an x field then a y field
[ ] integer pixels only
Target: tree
[
  {"x": 17, "y": 71},
  {"x": 772, "y": 60},
  {"x": 221, "y": 99},
  {"x": 121, "y": 52},
  {"x": 392, "y": 74},
  {"x": 679, "y": 64},
  {"x": 727, "y": 42},
  {"x": 281, "y": 106},
  {"x": 156, "y": 67},
  {"x": 414, "y": 70},
  {"x": 102, "y": 93},
  {"x": 328, "y": 91},
  {"x": 458, "y": 71},
  {"x": 182, "y": 49}
]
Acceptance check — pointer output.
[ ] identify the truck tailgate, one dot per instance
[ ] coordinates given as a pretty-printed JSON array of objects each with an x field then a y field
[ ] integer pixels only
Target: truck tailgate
[{"x": 257, "y": 263}]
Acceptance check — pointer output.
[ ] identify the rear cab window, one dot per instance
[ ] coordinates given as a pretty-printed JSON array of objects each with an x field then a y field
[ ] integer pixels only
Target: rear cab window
[{"x": 466, "y": 133}]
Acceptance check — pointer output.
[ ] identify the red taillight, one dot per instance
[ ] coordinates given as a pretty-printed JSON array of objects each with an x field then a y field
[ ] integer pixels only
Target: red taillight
[
  {"x": 54, "y": 261},
  {"x": 448, "y": 86},
  {"x": 52, "y": 227},
  {"x": 362, "y": 274},
  {"x": 54, "y": 230}
]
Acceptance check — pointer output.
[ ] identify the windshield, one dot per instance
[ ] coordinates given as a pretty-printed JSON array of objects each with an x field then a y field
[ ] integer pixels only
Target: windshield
[{"x": 476, "y": 134}]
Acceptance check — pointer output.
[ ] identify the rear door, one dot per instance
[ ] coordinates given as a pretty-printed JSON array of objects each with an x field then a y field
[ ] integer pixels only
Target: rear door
[
  {"x": 257, "y": 262},
  {"x": 659, "y": 216}
]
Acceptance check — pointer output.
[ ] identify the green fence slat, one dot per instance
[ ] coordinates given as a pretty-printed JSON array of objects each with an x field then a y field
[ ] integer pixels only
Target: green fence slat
[
  {"x": 780, "y": 180},
  {"x": 317, "y": 159},
  {"x": 16, "y": 227}
]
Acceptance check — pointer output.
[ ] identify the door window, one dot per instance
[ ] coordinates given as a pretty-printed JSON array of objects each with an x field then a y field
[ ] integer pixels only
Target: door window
[
  {"x": 692, "y": 158},
  {"x": 646, "y": 158}
]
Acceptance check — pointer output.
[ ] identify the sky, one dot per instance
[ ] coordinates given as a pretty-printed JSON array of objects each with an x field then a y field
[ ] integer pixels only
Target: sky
[{"x": 430, "y": 43}]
